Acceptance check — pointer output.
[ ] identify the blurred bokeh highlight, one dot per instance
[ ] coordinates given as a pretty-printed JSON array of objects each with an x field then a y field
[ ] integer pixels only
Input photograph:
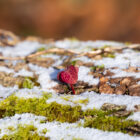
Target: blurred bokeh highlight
[{"x": 117, "y": 20}]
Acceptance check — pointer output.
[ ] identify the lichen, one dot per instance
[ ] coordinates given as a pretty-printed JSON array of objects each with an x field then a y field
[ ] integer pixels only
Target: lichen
[{"x": 26, "y": 132}]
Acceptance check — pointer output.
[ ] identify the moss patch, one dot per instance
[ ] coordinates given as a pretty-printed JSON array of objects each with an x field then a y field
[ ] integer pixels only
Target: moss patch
[
  {"x": 45, "y": 130},
  {"x": 73, "y": 62},
  {"x": 53, "y": 111},
  {"x": 111, "y": 55},
  {"x": 41, "y": 49},
  {"x": 95, "y": 118},
  {"x": 82, "y": 101},
  {"x": 77, "y": 138},
  {"x": 11, "y": 128},
  {"x": 29, "y": 83},
  {"x": 27, "y": 132},
  {"x": 109, "y": 123},
  {"x": 98, "y": 67}
]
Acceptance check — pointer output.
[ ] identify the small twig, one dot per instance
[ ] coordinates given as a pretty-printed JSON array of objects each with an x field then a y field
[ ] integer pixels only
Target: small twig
[
  {"x": 55, "y": 50},
  {"x": 11, "y": 58},
  {"x": 64, "y": 51}
]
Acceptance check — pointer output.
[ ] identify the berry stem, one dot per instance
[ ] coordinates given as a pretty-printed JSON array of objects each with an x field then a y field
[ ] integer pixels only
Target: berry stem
[{"x": 72, "y": 88}]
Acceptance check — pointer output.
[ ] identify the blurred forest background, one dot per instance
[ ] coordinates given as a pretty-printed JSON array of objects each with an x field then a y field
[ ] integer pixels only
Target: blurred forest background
[{"x": 84, "y": 19}]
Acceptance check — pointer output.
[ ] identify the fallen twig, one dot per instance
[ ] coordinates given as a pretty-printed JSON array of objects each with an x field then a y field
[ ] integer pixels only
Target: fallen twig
[{"x": 64, "y": 51}]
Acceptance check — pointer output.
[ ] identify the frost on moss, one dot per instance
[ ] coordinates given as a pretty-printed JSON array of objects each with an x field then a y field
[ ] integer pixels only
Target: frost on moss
[
  {"x": 27, "y": 132},
  {"x": 95, "y": 118}
]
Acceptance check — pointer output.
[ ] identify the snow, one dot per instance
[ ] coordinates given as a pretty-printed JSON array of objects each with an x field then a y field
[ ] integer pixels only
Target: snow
[
  {"x": 84, "y": 59},
  {"x": 96, "y": 100},
  {"x": 5, "y": 69},
  {"x": 84, "y": 76},
  {"x": 135, "y": 116},
  {"x": 122, "y": 61},
  {"x": 57, "y": 130},
  {"x": 24, "y": 73},
  {"x": 121, "y": 73},
  {"x": 81, "y": 46},
  {"x": 47, "y": 77},
  {"x": 138, "y": 82},
  {"x": 29, "y": 93},
  {"x": 7, "y": 91},
  {"x": 21, "y": 49}
]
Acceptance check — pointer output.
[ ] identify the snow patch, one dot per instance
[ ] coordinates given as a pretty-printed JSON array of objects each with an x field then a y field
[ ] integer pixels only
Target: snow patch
[{"x": 84, "y": 76}]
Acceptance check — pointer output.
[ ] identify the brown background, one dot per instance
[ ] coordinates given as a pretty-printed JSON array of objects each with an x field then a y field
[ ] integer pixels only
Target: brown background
[{"x": 85, "y": 19}]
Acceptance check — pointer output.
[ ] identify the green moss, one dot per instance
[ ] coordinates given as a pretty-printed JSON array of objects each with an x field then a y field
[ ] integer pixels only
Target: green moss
[
  {"x": 95, "y": 118},
  {"x": 73, "y": 62},
  {"x": 98, "y": 67},
  {"x": 79, "y": 124},
  {"x": 109, "y": 123},
  {"x": 105, "y": 46},
  {"x": 95, "y": 112},
  {"x": 43, "y": 121},
  {"x": 76, "y": 138},
  {"x": 38, "y": 106},
  {"x": 127, "y": 43},
  {"x": 41, "y": 49},
  {"x": 45, "y": 130},
  {"x": 73, "y": 39},
  {"x": 93, "y": 49},
  {"x": 27, "y": 132},
  {"x": 11, "y": 128},
  {"x": 29, "y": 82},
  {"x": 82, "y": 101},
  {"x": 66, "y": 98},
  {"x": 111, "y": 55},
  {"x": 46, "y": 95},
  {"x": 101, "y": 66}
]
